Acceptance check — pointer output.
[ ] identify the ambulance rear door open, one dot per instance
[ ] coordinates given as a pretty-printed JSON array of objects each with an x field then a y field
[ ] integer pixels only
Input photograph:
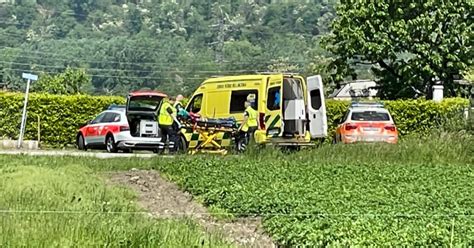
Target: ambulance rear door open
[
  {"x": 317, "y": 119},
  {"x": 272, "y": 120}
]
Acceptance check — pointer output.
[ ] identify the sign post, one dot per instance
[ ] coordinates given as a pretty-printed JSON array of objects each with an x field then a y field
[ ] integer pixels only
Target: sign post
[{"x": 29, "y": 77}]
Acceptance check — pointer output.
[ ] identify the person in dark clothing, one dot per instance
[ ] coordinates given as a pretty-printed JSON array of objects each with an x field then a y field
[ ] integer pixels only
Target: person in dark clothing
[{"x": 168, "y": 125}]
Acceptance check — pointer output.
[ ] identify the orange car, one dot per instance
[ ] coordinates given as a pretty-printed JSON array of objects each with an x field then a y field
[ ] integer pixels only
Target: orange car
[{"x": 366, "y": 122}]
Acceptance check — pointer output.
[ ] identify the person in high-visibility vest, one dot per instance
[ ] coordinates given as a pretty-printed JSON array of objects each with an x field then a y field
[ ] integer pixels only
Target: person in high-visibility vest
[
  {"x": 169, "y": 125},
  {"x": 249, "y": 124},
  {"x": 252, "y": 100}
]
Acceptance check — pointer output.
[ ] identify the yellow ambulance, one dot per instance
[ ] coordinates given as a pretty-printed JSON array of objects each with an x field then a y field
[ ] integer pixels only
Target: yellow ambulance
[{"x": 291, "y": 109}]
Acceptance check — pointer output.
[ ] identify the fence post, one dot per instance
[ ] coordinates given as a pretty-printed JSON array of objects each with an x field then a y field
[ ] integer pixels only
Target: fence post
[
  {"x": 438, "y": 93},
  {"x": 39, "y": 131}
]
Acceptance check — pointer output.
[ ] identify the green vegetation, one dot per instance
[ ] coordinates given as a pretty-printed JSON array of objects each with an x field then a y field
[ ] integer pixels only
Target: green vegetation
[
  {"x": 415, "y": 193},
  {"x": 69, "y": 82},
  {"x": 410, "y": 44},
  {"x": 61, "y": 116},
  {"x": 170, "y": 45},
  {"x": 174, "y": 45},
  {"x": 70, "y": 206},
  {"x": 418, "y": 192}
]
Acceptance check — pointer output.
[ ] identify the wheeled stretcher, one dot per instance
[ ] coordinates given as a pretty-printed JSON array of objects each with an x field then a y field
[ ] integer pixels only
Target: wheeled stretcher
[{"x": 209, "y": 135}]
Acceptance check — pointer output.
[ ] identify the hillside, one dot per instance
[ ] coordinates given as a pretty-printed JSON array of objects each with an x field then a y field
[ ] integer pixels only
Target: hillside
[{"x": 171, "y": 45}]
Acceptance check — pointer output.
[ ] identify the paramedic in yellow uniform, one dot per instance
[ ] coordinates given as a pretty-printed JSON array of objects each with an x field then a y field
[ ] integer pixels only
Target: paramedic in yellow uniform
[
  {"x": 169, "y": 129},
  {"x": 249, "y": 124}
]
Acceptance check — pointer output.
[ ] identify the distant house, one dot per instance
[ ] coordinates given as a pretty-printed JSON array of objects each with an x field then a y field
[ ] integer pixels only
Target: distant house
[{"x": 355, "y": 89}]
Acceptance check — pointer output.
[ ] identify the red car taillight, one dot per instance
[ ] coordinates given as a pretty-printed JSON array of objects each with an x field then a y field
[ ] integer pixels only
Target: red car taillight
[
  {"x": 350, "y": 127},
  {"x": 390, "y": 128},
  {"x": 124, "y": 128},
  {"x": 261, "y": 119}
]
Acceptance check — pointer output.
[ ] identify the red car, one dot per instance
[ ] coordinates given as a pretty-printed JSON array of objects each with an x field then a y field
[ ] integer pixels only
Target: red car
[
  {"x": 132, "y": 127},
  {"x": 367, "y": 122}
]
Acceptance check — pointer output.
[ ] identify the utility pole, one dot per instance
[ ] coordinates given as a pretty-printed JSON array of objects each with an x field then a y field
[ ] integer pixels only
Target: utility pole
[
  {"x": 29, "y": 77},
  {"x": 220, "y": 38},
  {"x": 221, "y": 29}
]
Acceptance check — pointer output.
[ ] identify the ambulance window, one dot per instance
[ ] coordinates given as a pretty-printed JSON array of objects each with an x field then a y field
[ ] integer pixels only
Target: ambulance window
[
  {"x": 274, "y": 98},
  {"x": 195, "y": 104},
  {"x": 316, "y": 99},
  {"x": 238, "y": 98}
]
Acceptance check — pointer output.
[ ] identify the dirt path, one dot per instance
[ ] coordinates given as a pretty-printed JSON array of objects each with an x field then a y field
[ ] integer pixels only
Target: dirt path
[{"x": 165, "y": 200}]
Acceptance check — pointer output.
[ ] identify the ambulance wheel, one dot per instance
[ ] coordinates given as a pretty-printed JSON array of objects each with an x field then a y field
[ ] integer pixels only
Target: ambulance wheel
[
  {"x": 290, "y": 149},
  {"x": 241, "y": 145},
  {"x": 183, "y": 145}
]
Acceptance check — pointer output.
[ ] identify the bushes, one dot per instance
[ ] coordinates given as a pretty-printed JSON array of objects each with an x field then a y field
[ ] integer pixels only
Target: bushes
[{"x": 61, "y": 116}]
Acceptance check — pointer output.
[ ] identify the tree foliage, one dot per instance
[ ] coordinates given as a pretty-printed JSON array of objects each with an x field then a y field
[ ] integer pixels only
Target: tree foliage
[
  {"x": 69, "y": 82},
  {"x": 171, "y": 45},
  {"x": 174, "y": 45},
  {"x": 469, "y": 75},
  {"x": 410, "y": 44}
]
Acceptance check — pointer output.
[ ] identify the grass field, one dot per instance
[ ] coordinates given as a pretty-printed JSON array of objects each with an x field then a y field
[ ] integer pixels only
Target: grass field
[
  {"x": 70, "y": 206},
  {"x": 416, "y": 193}
]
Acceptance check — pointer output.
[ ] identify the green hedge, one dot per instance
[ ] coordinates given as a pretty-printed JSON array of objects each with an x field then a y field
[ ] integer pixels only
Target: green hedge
[
  {"x": 61, "y": 116},
  {"x": 410, "y": 116}
]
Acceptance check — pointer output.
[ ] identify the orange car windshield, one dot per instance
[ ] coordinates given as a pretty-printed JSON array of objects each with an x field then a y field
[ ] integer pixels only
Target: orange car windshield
[{"x": 370, "y": 116}]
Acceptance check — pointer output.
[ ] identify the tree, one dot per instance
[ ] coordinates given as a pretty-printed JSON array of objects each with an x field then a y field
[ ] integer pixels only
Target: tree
[
  {"x": 469, "y": 75},
  {"x": 134, "y": 19},
  {"x": 167, "y": 45},
  {"x": 69, "y": 82},
  {"x": 410, "y": 44}
]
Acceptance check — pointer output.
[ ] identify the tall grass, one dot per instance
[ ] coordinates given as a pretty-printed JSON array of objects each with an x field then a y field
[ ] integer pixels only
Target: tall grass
[
  {"x": 438, "y": 148},
  {"x": 70, "y": 206}
]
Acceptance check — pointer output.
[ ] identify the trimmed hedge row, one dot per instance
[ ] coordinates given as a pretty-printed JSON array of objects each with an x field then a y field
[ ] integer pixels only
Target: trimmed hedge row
[{"x": 60, "y": 116}]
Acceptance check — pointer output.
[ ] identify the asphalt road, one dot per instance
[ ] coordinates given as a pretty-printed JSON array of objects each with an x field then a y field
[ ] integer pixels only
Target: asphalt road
[{"x": 60, "y": 153}]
